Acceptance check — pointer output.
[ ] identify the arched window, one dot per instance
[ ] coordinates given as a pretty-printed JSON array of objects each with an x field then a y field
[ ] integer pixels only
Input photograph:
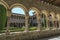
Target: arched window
[{"x": 19, "y": 15}]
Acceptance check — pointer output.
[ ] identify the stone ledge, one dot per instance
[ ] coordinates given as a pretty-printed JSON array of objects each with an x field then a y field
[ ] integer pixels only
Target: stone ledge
[{"x": 30, "y": 35}]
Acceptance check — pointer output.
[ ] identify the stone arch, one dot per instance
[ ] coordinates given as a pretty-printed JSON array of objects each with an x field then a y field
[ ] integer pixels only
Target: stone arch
[
  {"x": 35, "y": 9},
  {"x": 58, "y": 19},
  {"x": 54, "y": 19},
  {"x": 37, "y": 16},
  {"x": 4, "y": 4},
  {"x": 58, "y": 16},
  {"x": 19, "y": 5},
  {"x": 3, "y": 17},
  {"x": 52, "y": 14},
  {"x": 50, "y": 19},
  {"x": 26, "y": 13},
  {"x": 7, "y": 14},
  {"x": 45, "y": 13}
]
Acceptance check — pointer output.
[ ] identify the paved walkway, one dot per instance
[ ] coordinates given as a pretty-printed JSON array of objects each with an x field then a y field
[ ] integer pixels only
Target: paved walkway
[
  {"x": 51, "y": 38},
  {"x": 47, "y": 38}
]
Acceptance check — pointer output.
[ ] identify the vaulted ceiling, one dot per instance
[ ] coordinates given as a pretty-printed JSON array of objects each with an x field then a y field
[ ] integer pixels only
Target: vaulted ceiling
[{"x": 55, "y": 2}]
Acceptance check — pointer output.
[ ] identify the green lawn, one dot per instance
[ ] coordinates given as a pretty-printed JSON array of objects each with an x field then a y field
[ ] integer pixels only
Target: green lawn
[
  {"x": 32, "y": 28},
  {"x": 16, "y": 29}
]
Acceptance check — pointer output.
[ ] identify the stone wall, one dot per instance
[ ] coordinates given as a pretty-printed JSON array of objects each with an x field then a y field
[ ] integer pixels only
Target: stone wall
[{"x": 34, "y": 35}]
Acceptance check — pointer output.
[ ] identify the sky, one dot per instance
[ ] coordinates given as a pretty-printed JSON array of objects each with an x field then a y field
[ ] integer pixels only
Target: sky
[{"x": 21, "y": 11}]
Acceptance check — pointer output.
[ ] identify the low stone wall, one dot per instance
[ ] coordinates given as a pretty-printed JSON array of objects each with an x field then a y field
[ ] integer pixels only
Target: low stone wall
[{"x": 34, "y": 35}]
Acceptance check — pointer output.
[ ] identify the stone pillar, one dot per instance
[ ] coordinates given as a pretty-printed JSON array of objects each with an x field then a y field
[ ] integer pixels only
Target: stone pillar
[
  {"x": 56, "y": 19},
  {"x": 46, "y": 14},
  {"x": 26, "y": 22},
  {"x": 54, "y": 23},
  {"x": 59, "y": 20},
  {"x": 53, "y": 19},
  {"x": 38, "y": 22},
  {"x": 8, "y": 22},
  {"x": 59, "y": 24},
  {"x": 47, "y": 22}
]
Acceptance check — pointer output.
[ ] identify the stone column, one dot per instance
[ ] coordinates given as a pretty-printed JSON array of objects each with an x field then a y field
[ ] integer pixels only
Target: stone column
[
  {"x": 8, "y": 22},
  {"x": 47, "y": 22},
  {"x": 59, "y": 21},
  {"x": 38, "y": 22},
  {"x": 26, "y": 22},
  {"x": 54, "y": 23},
  {"x": 53, "y": 19},
  {"x": 59, "y": 24},
  {"x": 56, "y": 19},
  {"x": 47, "y": 18},
  {"x": 46, "y": 14}
]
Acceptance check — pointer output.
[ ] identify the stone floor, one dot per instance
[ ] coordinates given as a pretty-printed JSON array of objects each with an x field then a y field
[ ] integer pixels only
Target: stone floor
[{"x": 51, "y": 38}]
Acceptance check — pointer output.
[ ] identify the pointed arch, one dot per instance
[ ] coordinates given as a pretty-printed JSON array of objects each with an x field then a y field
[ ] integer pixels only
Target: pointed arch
[
  {"x": 54, "y": 17},
  {"x": 37, "y": 15},
  {"x": 58, "y": 16},
  {"x": 4, "y": 4},
  {"x": 35, "y": 9},
  {"x": 53, "y": 14},
  {"x": 45, "y": 12}
]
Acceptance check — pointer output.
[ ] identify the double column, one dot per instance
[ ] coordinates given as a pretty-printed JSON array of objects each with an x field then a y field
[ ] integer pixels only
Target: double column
[
  {"x": 59, "y": 23},
  {"x": 26, "y": 22},
  {"x": 47, "y": 19},
  {"x": 38, "y": 22},
  {"x": 8, "y": 22},
  {"x": 47, "y": 22},
  {"x": 58, "y": 20}
]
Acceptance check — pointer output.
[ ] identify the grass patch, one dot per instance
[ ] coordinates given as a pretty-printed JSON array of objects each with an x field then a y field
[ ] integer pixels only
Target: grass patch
[
  {"x": 15, "y": 29},
  {"x": 32, "y": 28}
]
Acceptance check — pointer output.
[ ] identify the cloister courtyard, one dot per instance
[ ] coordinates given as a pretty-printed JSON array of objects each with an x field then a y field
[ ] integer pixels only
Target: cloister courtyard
[{"x": 29, "y": 20}]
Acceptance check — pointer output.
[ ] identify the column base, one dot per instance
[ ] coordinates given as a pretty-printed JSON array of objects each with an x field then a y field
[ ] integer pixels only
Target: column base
[
  {"x": 47, "y": 29},
  {"x": 54, "y": 28},
  {"x": 26, "y": 30},
  {"x": 7, "y": 32},
  {"x": 58, "y": 28},
  {"x": 37, "y": 30}
]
